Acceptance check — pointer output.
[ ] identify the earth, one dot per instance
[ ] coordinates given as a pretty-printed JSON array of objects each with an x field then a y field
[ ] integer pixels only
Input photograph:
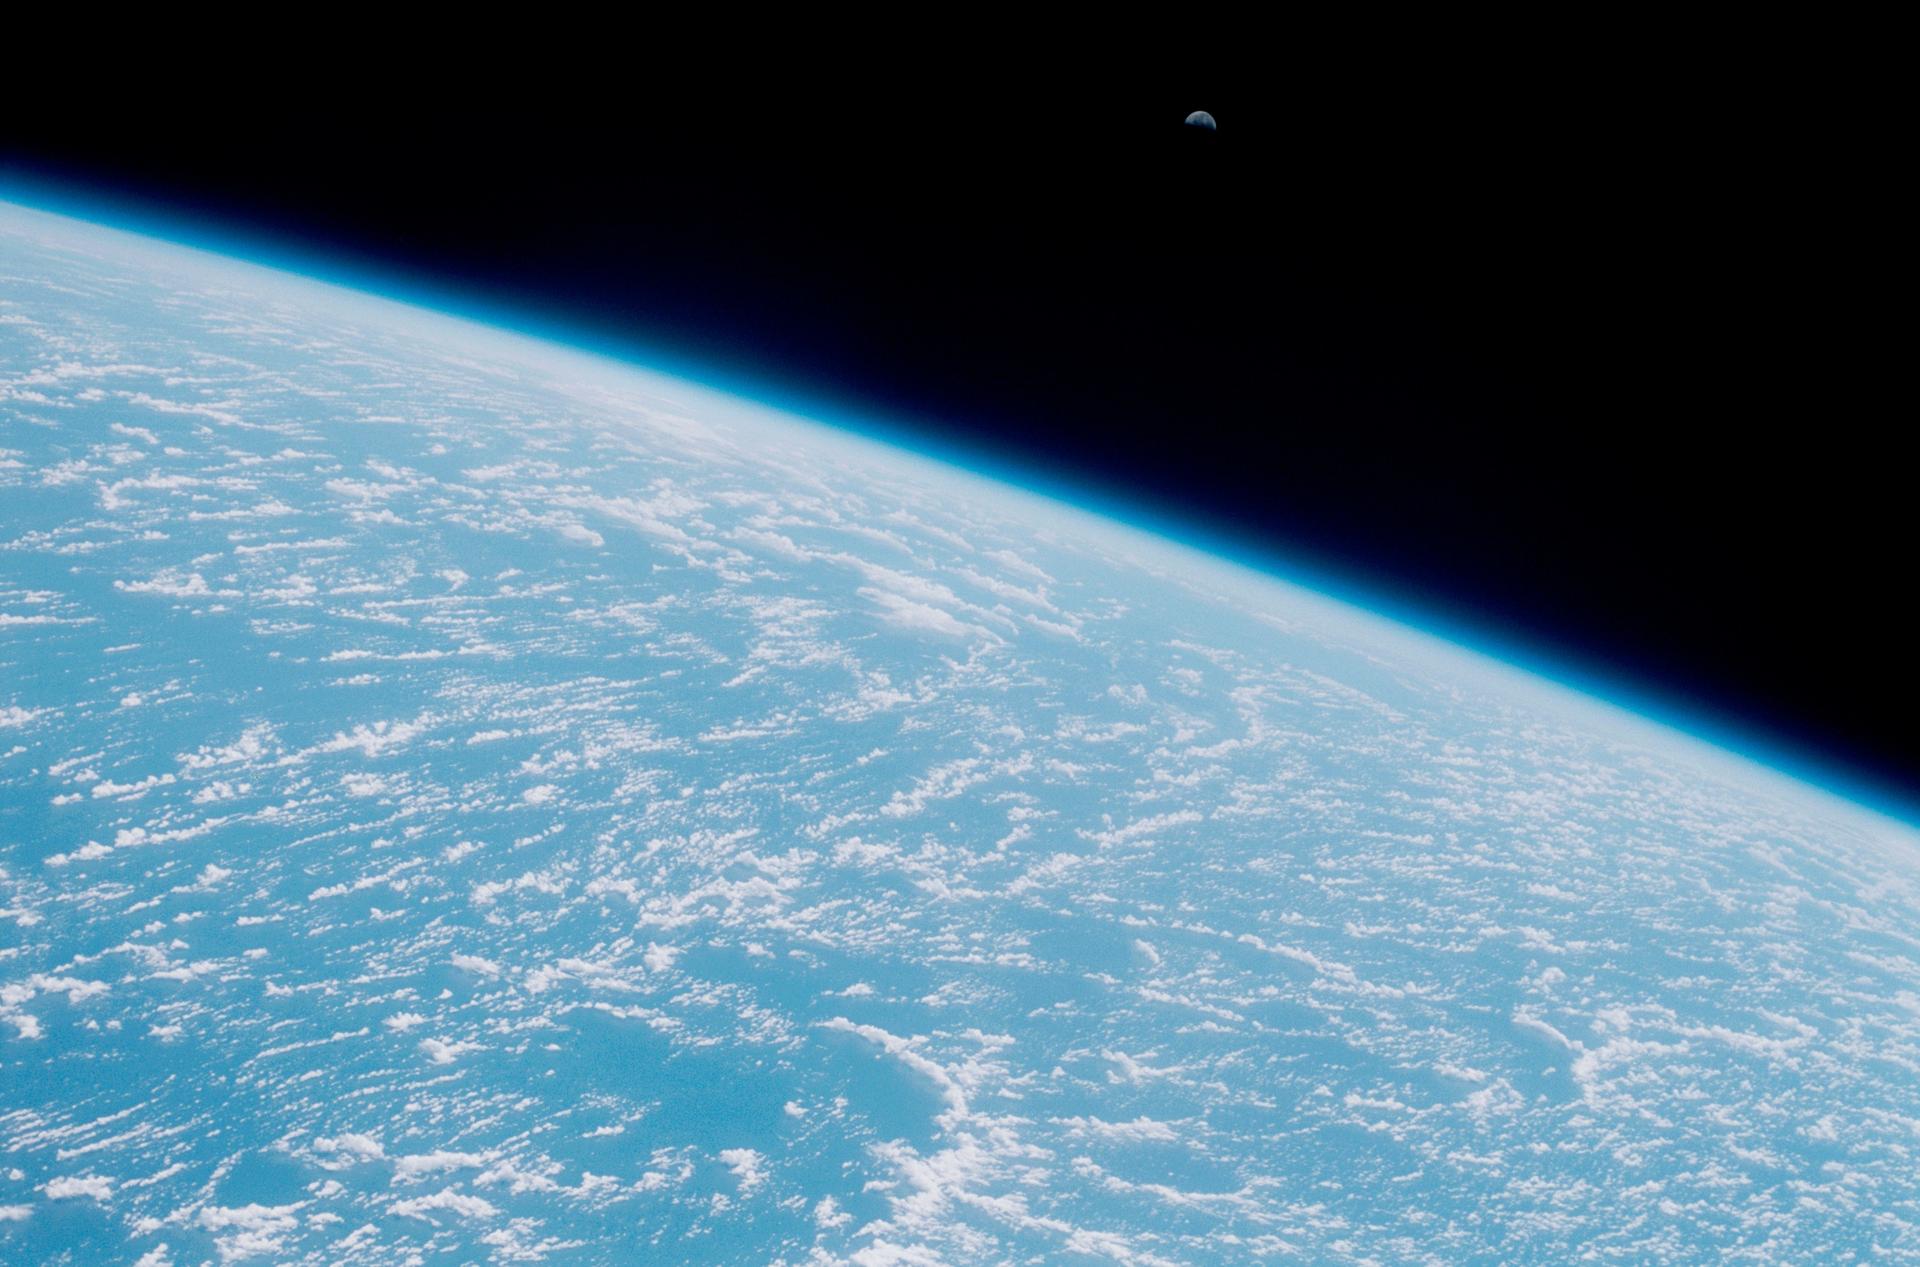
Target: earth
[{"x": 464, "y": 799}]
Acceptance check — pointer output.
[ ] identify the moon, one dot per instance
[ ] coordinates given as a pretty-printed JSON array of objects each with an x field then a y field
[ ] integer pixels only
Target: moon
[{"x": 1201, "y": 119}]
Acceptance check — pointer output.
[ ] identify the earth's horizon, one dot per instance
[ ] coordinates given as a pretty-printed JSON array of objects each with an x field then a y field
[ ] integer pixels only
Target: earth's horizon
[{"x": 463, "y": 799}]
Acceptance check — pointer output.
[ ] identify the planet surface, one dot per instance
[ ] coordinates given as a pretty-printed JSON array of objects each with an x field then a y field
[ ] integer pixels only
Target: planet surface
[{"x": 464, "y": 799}]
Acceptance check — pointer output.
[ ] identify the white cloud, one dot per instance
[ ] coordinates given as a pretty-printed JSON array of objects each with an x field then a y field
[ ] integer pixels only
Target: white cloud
[
  {"x": 93, "y": 1187},
  {"x": 446, "y": 1201},
  {"x": 442, "y": 1052},
  {"x": 1141, "y": 1130},
  {"x": 748, "y": 1167}
]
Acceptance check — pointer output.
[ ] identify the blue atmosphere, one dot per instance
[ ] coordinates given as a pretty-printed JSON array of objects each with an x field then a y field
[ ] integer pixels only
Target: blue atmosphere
[{"x": 465, "y": 799}]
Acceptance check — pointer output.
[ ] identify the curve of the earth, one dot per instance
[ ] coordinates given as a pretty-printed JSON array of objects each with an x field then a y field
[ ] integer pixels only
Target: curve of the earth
[{"x": 1527, "y": 656}]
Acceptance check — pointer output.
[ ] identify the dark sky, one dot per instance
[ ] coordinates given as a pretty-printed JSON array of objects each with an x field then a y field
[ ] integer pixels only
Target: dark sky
[{"x": 1597, "y": 361}]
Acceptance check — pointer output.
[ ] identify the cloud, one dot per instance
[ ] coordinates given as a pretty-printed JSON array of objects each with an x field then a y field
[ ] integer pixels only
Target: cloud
[{"x": 92, "y": 1187}]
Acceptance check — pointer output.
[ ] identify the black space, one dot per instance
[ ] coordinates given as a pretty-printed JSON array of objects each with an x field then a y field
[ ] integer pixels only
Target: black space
[{"x": 1600, "y": 361}]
